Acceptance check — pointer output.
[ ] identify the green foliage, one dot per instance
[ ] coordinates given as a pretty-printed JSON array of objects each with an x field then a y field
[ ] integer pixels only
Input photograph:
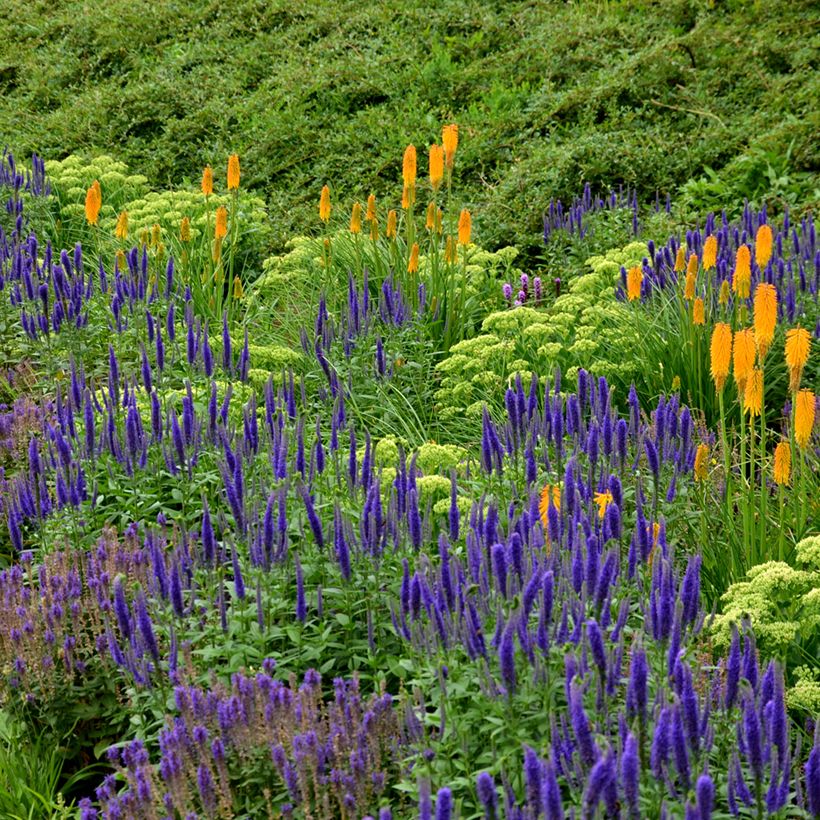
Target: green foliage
[{"x": 544, "y": 101}]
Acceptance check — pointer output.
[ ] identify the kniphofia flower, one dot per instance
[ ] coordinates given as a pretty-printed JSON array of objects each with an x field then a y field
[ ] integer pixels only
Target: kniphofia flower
[
  {"x": 324, "y": 204},
  {"x": 720, "y": 354},
  {"x": 413, "y": 262},
  {"x": 356, "y": 218},
  {"x": 121, "y": 231},
  {"x": 680, "y": 259},
  {"x": 798, "y": 346},
  {"x": 691, "y": 278},
  {"x": 185, "y": 229},
  {"x": 370, "y": 215},
  {"x": 804, "y": 412},
  {"x": 765, "y": 316},
  {"x": 464, "y": 227},
  {"x": 436, "y": 165},
  {"x": 238, "y": 289},
  {"x": 430, "y": 220},
  {"x": 93, "y": 203},
  {"x": 710, "y": 248},
  {"x": 449, "y": 139},
  {"x": 408, "y": 166},
  {"x": 450, "y": 255},
  {"x": 603, "y": 500},
  {"x": 408, "y": 196},
  {"x": 763, "y": 246},
  {"x": 742, "y": 278},
  {"x": 551, "y": 492},
  {"x": 698, "y": 312},
  {"x": 391, "y": 224},
  {"x": 634, "y": 280},
  {"x": 233, "y": 172},
  {"x": 723, "y": 298},
  {"x": 753, "y": 394},
  {"x": 744, "y": 357},
  {"x": 221, "y": 229},
  {"x": 702, "y": 462},
  {"x": 782, "y": 463},
  {"x": 207, "y": 181}
]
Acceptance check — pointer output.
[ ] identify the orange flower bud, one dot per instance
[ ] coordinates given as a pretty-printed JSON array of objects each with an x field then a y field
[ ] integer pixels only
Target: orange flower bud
[
  {"x": 436, "y": 165},
  {"x": 782, "y": 463},
  {"x": 221, "y": 229},
  {"x": 185, "y": 229},
  {"x": 634, "y": 280},
  {"x": 408, "y": 168},
  {"x": 464, "y": 227},
  {"x": 698, "y": 317},
  {"x": 356, "y": 218},
  {"x": 720, "y": 354},
  {"x": 371, "y": 208},
  {"x": 763, "y": 246},
  {"x": 207, "y": 181},
  {"x": 710, "y": 249},
  {"x": 121, "y": 231},
  {"x": 413, "y": 263},
  {"x": 449, "y": 139},
  {"x": 233, "y": 172},
  {"x": 391, "y": 224},
  {"x": 93, "y": 203},
  {"x": 324, "y": 204}
]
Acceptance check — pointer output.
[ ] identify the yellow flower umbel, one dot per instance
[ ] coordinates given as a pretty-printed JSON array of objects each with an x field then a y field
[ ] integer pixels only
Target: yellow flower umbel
[
  {"x": 413, "y": 262},
  {"x": 680, "y": 259},
  {"x": 782, "y": 463},
  {"x": 698, "y": 312},
  {"x": 436, "y": 166},
  {"x": 370, "y": 215},
  {"x": 753, "y": 394},
  {"x": 93, "y": 203},
  {"x": 449, "y": 139},
  {"x": 391, "y": 224},
  {"x": 324, "y": 204},
  {"x": 233, "y": 172},
  {"x": 720, "y": 354},
  {"x": 550, "y": 494},
  {"x": 634, "y": 280},
  {"x": 702, "y": 462},
  {"x": 121, "y": 231},
  {"x": 207, "y": 181},
  {"x": 742, "y": 277},
  {"x": 221, "y": 229},
  {"x": 765, "y": 317},
  {"x": 744, "y": 357},
  {"x": 464, "y": 227},
  {"x": 763, "y": 246},
  {"x": 803, "y": 417},
  {"x": 710, "y": 248},
  {"x": 356, "y": 219},
  {"x": 603, "y": 500},
  {"x": 798, "y": 346}
]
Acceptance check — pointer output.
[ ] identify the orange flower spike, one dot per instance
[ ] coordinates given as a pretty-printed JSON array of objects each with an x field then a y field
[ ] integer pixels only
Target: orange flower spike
[
  {"x": 413, "y": 263},
  {"x": 634, "y": 281},
  {"x": 449, "y": 139},
  {"x": 430, "y": 220},
  {"x": 207, "y": 180},
  {"x": 689, "y": 286},
  {"x": 436, "y": 166},
  {"x": 464, "y": 227},
  {"x": 356, "y": 219},
  {"x": 804, "y": 413},
  {"x": 720, "y": 354},
  {"x": 408, "y": 167},
  {"x": 765, "y": 316},
  {"x": 185, "y": 229},
  {"x": 702, "y": 462},
  {"x": 782, "y": 463},
  {"x": 744, "y": 357},
  {"x": 753, "y": 394},
  {"x": 692, "y": 265},
  {"x": 408, "y": 196},
  {"x": 374, "y": 230},
  {"x": 93, "y": 203},
  {"x": 371, "y": 208},
  {"x": 742, "y": 278},
  {"x": 121, "y": 231},
  {"x": 233, "y": 172},
  {"x": 603, "y": 500},
  {"x": 551, "y": 494},
  {"x": 698, "y": 312},
  {"x": 710, "y": 249},
  {"x": 763, "y": 246},
  {"x": 450, "y": 255},
  {"x": 221, "y": 229},
  {"x": 680, "y": 260},
  {"x": 798, "y": 347},
  {"x": 723, "y": 298},
  {"x": 391, "y": 224},
  {"x": 324, "y": 204}
]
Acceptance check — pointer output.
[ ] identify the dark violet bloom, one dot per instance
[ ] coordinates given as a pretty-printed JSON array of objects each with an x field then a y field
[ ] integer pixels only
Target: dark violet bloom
[
  {"x": 732, "y": 670},
  {"x": 485, "y": 789},
  {"x": 581, "y": 727},
  {"x": 444, "y": 804},
  {"x": 652, "y": 457},
  {"x": 146, "y": 627},
  {"x": 532, "y": 777},
  {"x": 425, "y": 800},
  {"x": 553, "y": 806},
  {"x": 630, "y": 774},
  {"x": 121, "y": 609},
  {"x": 679, "y": 748},
  {"x": 238, "y": 580},
  {"x": 227, "y": 357},
  {"x": 506, "y": 658},
  {"x": 812, "y": 770},
  {"x": 499, "y": 556},
  {"x": 660, "y": 744},
  {"x": 313, "y": 518},
  {"x": 301, "y": 606},
  {"x": 705, "y": 791},
  {"x": 596, "y": 645},
  {"x": 600, "y": 777}
]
